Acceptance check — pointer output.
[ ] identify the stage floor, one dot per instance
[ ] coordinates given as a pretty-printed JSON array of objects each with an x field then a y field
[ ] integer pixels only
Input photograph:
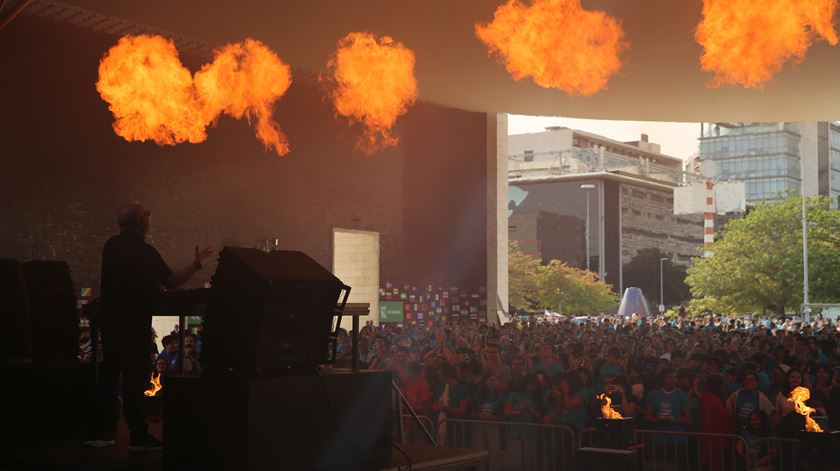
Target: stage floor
[{"x": 73, "y": 455}]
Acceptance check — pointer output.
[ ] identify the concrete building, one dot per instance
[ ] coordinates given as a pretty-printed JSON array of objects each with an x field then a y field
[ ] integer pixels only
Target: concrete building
[
  {"x": 771, "y": 158},
  {"x": 564, "y": 151},
  {"x": 631, "y": 208}
]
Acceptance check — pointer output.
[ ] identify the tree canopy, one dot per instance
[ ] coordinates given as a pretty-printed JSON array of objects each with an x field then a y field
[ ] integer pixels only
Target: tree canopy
[
  {"x": 534, "y": 287},
  {"x": 757, "y": 262}
]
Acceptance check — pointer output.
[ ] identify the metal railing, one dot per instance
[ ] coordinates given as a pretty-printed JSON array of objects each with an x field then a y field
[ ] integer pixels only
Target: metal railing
[
  {"x": 686, "y": 451},
  {"x": 515, "y": 446},
  {"x": 773, "y": 453},
  {"x": 414, "y": 429}
]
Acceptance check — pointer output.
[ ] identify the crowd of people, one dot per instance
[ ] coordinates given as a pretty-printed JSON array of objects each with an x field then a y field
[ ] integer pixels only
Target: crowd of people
[{"x": 714, "y": 375}]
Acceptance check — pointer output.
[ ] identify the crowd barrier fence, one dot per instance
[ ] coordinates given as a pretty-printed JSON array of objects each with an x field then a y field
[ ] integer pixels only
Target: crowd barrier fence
[{"x": 512, "y": 445}]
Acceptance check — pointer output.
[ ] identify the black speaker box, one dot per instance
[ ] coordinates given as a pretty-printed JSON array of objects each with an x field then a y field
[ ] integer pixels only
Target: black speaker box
[
  {"x": 606, "y": 458},
  {"x": 13, "y": 312},
  {"x": 268, "y": 313},
  {"x": 820, "y": 446},
  {"x": 54, "y": 319},
  {"x": 613, "y": 432},
  {"x": 340, "y": 420}
]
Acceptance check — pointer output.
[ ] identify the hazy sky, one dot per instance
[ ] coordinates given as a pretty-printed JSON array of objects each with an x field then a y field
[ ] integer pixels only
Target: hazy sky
[{"x": 676, "y": 139}]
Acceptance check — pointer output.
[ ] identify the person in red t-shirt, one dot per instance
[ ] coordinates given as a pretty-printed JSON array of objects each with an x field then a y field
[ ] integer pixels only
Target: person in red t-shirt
[{"x": 418, "y": 396}]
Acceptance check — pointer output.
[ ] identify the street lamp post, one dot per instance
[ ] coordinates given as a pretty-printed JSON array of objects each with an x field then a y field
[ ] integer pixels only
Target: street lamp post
[
  {"x": 587, "y": 187},
  {"x": 661, "y": 290}
]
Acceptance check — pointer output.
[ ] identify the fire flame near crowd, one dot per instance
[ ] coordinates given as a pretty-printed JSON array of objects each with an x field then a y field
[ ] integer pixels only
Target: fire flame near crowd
[
  {"x": 155, "y": 387},
  {"x": 154, "y": 97},
  {"x": 607, "y": 411},
  {"x": 798, "y": 396},
  {"x": 372, "y": 82},
  {"x": 746, "y": 42},
  {"x": 557, "y": 43}
]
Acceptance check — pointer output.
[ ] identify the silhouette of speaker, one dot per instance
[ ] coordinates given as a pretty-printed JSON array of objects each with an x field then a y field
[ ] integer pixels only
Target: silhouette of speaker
[
  {"x": 269, "y": 313},
  {"x": 54, "y": 319},
  {"x": 15, "y": 333}
]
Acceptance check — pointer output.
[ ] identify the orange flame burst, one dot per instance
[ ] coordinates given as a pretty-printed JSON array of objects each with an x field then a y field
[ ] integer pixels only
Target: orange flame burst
[
  {"x": 150, "y": 92},
  {"x": 154, "y": 381},
  {"x": 607, "y": 411},
  {"x": 746, "y": 42},
  {"x": 557, "y": 43},
  {"x": 373, "y": 84},
  {"x": 246, "y": 79},
  {"x": 798, "y": 396},
  {"x": 154, "y": 97}
]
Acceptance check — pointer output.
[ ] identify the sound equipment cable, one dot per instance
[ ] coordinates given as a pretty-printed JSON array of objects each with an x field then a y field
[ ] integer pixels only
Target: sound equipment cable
[
  {"x": 335, "y": 424},
  {"x": 404, "y": 454}
]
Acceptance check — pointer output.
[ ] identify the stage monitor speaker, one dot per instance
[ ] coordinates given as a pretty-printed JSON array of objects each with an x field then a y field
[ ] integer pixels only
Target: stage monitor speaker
[
  {"x": 15, "y": 333},
  {"x": 54, "y": 319},
  {"x": 269, "y": 313}
]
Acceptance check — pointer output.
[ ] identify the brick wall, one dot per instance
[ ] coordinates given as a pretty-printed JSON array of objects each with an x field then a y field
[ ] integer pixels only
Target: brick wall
[{"x": 65, "y": 172}]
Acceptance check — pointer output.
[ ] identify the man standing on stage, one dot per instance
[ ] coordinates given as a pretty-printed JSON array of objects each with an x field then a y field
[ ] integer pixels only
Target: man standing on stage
[{"x": 133, "y": 276}]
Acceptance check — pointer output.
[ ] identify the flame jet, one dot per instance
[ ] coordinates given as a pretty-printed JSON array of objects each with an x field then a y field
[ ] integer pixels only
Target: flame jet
[
  {"x": 372, "y": 82},
  {"x": 246, "y": 79},
  {"x": 746, "y": 42},
  {"x": 154, "y": 97},
  {"x": 557, "y": 43},
  {"x": 149, "y": 92}
]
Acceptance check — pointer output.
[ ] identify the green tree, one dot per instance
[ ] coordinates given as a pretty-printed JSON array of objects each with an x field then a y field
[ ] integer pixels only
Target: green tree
[
  {"x": 757, "y": 264},
  {"x": 535, "y": 287}
]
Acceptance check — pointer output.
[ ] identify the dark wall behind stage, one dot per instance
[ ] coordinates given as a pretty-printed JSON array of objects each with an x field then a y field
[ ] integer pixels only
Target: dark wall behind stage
[{"x": 65, "y": 172}]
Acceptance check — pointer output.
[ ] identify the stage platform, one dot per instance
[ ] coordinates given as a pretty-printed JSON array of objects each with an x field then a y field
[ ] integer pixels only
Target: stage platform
[{"x": 72, "y": 455}]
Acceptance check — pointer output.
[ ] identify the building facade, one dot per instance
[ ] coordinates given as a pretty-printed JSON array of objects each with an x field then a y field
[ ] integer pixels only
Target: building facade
[
  {"x": 559, "y": 176},
  {"x": 631, "y": 227},
  {"x": 772, "y": 158}
]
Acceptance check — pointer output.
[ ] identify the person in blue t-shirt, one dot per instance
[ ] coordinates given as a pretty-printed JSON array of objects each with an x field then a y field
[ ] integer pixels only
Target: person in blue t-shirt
[
  {"x": 170, "y": 352},
  {"x": 743, "y": 402},
  {"x": 613, "y": 365},
  {"x": 548, "y": 363},
  {"x": 668, "y": 410}
]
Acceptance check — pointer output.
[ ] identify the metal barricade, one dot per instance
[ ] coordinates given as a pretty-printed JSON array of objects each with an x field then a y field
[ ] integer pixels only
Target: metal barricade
[
  {"x": 515, "y": 446},
  {"x": 686, "y": 451},
  {"x": 773, "y": 453},
  {"x": 413, "y": 432}
]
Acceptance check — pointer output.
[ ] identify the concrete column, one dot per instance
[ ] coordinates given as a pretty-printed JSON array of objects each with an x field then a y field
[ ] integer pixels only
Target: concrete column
[{"x": 497, "y": 216}]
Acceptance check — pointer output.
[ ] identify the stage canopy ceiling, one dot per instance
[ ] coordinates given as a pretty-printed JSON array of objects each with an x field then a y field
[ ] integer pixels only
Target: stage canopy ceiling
[{"x": 660, "y": 78}]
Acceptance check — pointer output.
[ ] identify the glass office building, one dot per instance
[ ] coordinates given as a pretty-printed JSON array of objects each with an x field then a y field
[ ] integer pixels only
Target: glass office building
[{"x": 768, "y": 157}]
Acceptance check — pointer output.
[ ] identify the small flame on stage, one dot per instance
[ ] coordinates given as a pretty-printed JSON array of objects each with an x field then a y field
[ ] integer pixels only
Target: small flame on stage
[
  {"x": 607, "y": 411},
  {"x": 746, "y": 42},
  {"x": 798, "y": 396},
  {"x": 154, "y": 381}
]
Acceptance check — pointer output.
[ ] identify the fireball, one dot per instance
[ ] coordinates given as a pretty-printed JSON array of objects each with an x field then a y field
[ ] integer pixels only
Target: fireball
[
  {"x": 746, "y": 42},
  {"x": 372, "y": 83},
  {"x": 150, "y": 92},
  {"x": 557, "y": 43},
  {"x": 154, "y": 97},
  {"x": 246, "y": 79}
]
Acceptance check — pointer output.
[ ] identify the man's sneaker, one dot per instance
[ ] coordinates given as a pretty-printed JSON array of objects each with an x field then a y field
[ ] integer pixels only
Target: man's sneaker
[
  {"x": 144, "y": 443},
  {"x": 100, "y": 442}
]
